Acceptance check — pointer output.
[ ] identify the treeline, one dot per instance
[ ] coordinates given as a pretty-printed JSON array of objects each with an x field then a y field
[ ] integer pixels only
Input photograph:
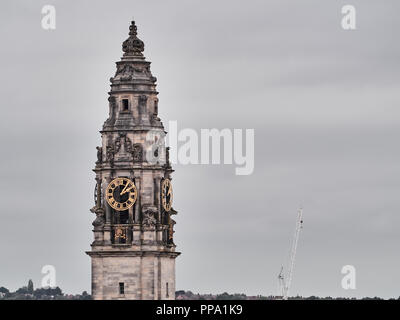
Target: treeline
[
  {"x": 29, "y": 293},
  {"x": 188, "y": 295}
]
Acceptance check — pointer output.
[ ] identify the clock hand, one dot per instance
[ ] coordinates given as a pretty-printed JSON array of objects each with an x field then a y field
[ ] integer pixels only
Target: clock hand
[
  {"x": 126, "y": 190},
  {"x": 169, "y": 191}
]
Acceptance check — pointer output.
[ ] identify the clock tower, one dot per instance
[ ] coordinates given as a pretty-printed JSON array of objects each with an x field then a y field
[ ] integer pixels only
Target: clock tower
[{"x": 133, "y": 252}]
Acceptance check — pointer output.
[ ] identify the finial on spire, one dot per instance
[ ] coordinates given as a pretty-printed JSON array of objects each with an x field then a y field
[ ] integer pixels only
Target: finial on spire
[
  {"x": 133, "y": 28},
  {"x": 133, "y": 46}
]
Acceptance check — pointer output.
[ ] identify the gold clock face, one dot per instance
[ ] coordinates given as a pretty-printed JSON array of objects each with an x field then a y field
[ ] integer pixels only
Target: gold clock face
[
  {"x": 166, "y": 194},
  {"x": 121, "y": 194}
]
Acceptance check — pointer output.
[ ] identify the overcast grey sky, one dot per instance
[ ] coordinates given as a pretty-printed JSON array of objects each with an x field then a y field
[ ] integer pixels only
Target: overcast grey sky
[{"x": 324, "y": 104}]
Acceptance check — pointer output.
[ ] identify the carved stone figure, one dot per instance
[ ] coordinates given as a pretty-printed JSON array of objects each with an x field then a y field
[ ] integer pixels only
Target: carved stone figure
[
  {"x": 126, "y": 70},
  {"x": 128, "y": 145},
  {"x": 117, "y": 144},
  {"x": 99, "y": 155},
  {"x": 171, "y": 230},
  {"x": 110, "y": 154},
  {"x": 112, "y": 109},
  {"x": 149, "y": 216},
  {"x": 99, "y": 221},
  {"x": 120, "y": 233}
]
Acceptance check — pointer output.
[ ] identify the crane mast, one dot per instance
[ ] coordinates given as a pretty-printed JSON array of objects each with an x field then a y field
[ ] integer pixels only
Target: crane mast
[
  {"x": 281, "y": 283},
  {"x": 285, "y": 284}
]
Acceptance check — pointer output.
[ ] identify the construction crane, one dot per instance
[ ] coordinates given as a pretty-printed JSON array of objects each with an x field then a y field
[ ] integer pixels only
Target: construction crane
[
  {"x": 281, "y": 284},
  {"x": 285, "y": 283}
]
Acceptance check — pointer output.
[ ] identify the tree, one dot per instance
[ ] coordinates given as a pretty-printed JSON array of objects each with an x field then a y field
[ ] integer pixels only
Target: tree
[
  {"x": 4, "y": 290},
  {"x": 22, "y": 291},
  {"x": 85, "y": 296},
  {"x": 47, "y": 292},
  {"x": 30, "y": 286}
]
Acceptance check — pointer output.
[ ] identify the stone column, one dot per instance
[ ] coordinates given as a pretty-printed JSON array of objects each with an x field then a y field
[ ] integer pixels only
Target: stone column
[
  {"x": 107, "y": 207},
  {"x": 107, "y": 226},
  {"x": 157, "y": 203},
  {"x": 136, "y": 226},
  {"x": 138, "y": 201},
  {"x": 131, "y": 213}
]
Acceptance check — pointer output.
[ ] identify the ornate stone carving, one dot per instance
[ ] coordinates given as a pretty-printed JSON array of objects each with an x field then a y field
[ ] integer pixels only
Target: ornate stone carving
[
  {"x": 156, "y": 121},
  {"x": 117, "y": 144},
  {"x": 114, "y": 147},
  {"x": 137, "y": 152},
  {"x": 120, "y": 233},
  {"x": 124, "y": 72},
  {"x": 133, "y": 45},
  {"x": 123, "y": 139},
  {"x": 125, "y": 69},
  {"x": 110, "y": 154},
  {"x": 149, "y": 219}
]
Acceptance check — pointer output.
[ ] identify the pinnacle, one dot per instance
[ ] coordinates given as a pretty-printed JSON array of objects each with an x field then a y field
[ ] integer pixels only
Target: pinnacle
[{"x": 133, "y": 46}]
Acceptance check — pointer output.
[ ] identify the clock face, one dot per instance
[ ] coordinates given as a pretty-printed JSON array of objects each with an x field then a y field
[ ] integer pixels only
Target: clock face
[
  {"x": 121, "y": 194},
  {"x": 166, "y": 194}
]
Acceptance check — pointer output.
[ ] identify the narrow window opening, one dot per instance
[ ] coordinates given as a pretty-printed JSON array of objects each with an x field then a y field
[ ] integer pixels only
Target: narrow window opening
[
  {"x": 167, "y": 293},
  {"x": 121, "y": 288},
  {"x": 125, "y": 104},
  {"x": 156, "y": 106}
]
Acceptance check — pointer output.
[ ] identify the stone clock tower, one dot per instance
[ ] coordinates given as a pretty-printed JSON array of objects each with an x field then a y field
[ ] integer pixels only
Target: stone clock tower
[{"x": 133, "y": 252}]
